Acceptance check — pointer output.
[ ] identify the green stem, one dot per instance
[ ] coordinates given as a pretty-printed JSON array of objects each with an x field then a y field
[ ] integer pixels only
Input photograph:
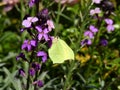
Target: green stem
[
  {"x": 28, "y": 77},
  {"x": 81, "y": 27},
  {"x": 68, "y": 81},
  {"x": 58, "y": 18}
]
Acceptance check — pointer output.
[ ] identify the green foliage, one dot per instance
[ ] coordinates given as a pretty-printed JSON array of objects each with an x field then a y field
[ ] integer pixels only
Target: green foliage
[{"x": 94, "y": 67}]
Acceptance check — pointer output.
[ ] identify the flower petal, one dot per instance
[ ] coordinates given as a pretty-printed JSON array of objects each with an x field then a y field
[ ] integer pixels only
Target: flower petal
[
  {"x": 110, "y": 28},
  {"x": 29, "y": 47},
  {"x": 39, "y": 29},
  {"x": 46, "y": 37},
  {"x": 44, "y": 58},
  {"x": 50, "y": 25},
  {"x": 33, "y": 43},
  {"x": 34, "y": 19},
  {"x": 41, "y": 53},
  {"x": 40, "y": 36},
  {"x": 26, "y": 23},
  {"x": 109, "y": 21},
  {"x": 92, "y": 12}
]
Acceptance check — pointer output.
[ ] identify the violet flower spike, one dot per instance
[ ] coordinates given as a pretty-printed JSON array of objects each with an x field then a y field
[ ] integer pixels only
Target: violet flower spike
[
  {"x": 42, "y": 33},
  {"x": 43, "y": 55},
  {"x": 28, "y": 22}
]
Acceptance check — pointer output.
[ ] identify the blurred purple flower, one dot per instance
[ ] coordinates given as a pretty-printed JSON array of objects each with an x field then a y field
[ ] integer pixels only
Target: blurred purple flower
[
  {"x": 32, "y": 2},
  {"x": 43, "y": 15},
  {"x": 42, "y": 33},
  {"x": 93, "y": 29},
  {"x": 21, "y": 55},
  {"x": 32, "y": 71},
  {"x": 9, "y": 4},
  {"x": 103, "y": 42},
  {"x": 22, "y": 72},
  {"x": 50, "y": 41},
  {"x": 39, "y": 83},
  {"x": 95, "y": 11},
  {"x": 36, "y": 66},
  {"x": 88, "y": 34},
  {"x": 86, "y": 42},
  {"x": 28, "y": 45},
  {"x": 43, "y": 55},
  {"x": 109, "y": 21},
  {"x": 28, "y": 22},
  {"x": 110, "y": 28},
  {"x": 50, "y": 25},
  {"x": 96, "y": 1}
]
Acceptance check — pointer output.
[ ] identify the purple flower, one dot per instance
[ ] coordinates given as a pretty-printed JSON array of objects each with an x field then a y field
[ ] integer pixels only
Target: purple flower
[
  {"x": 50, "y": 41},
  {"x": 86, "y": 42},
  {"x": 32, "y": 71},
  {"x": 95, "y": 11},
  {"x": 42, "y": 33},
  {"x": 32, "y": 3},
  {"x": 50, "y": 25},
  {"x": 43, "y": 55},
  {"x": 28, "y": 45},
  {"x": 39, "y": 83},
  {"x": 93, "y": 29},
  {"x": 9, "y": 4},
  {"x": 96, "y": 1},
  {"x": 21, "y": 55},
  {"x": 109, "y": 21},
  {"x": 103, "y": 42},
  {"x": 88, "y": 34},
  {"x": 28, "y": 22},
  {"x": 22, "y": 72},
  {"x": 43, "y": 15},
  {"x": 110, "y": 28},
  {"x": 36, "y": 66}
]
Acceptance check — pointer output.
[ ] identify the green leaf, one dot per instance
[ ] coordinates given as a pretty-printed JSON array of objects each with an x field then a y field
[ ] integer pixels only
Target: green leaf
[{"x": 60, "y": 51}]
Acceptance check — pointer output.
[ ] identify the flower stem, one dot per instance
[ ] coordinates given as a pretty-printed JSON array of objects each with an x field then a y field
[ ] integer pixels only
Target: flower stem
[
  {"x": 68, "y": 81},
  {"x": 58, "y": 18}
]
